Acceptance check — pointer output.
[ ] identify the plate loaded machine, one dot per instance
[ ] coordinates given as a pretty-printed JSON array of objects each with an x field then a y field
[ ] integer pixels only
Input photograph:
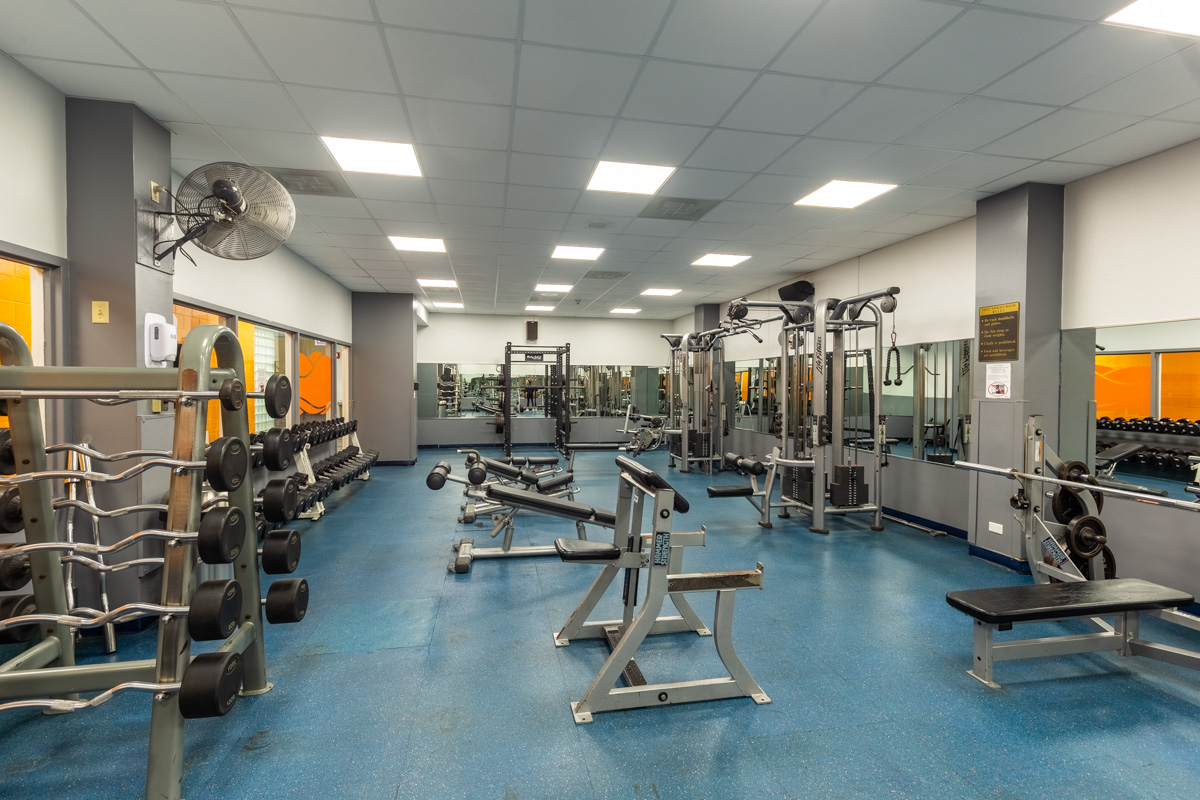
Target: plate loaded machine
[
  {"x": 829, "y": 420},
  {"x": 696, "y": 419},
  {"x": 1068, "y": 582},
  {"x": 220, "y": 533},
  {"x": 555, "y": 384}
]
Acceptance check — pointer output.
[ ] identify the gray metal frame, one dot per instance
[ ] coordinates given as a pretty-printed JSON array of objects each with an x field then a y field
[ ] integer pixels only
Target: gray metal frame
[{"x": 48, "y": 666}]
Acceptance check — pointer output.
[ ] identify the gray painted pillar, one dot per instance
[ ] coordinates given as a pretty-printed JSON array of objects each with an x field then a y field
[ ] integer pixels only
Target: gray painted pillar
[
  {"x": 707, "y": 316},
  {"x": 114, "y": 152},
  {"x": 1019, "y": 241},
  {"x": 384, "y": 400}
]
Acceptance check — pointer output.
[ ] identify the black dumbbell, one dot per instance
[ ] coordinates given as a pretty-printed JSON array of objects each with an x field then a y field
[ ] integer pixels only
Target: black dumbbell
[
  {"x": 15, "y": 572},
  {"x": 280, "y": 552},
  {"x": 215, "y": 610}
]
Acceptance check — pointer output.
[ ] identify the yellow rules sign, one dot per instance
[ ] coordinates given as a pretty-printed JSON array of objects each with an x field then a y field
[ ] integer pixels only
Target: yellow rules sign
[{"x": 999, "y": 332}]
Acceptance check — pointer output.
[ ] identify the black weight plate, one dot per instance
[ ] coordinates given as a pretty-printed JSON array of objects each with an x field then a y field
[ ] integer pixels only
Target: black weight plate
[
  {"x": 233, "y": 394},
  {"x": 11, "y": 520},
  {"x": 281, "y": 552},
  {"x": 222, "y": 531},
  {"x": 278, "y": 396},
  {"x": 18, "y": 606},
  {"x": 210, "y": 685},
  {"x": 287, "y": 601},
  {"x": 14, "y": 572},
  {"x": 227, "y": 463},
  {"x": 280, "y": 499},
  {"x": 1086, "y": 536},
  {"x": 278, "y": 449},
  {"x": 8, "y": 459},
  {"x": 215, "y": 610},
  {"x": 1073, "y": 471}
]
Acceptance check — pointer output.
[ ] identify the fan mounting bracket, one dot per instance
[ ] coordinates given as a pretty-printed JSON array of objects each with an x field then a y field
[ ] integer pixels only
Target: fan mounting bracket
[{"x": 154, "y": 227}]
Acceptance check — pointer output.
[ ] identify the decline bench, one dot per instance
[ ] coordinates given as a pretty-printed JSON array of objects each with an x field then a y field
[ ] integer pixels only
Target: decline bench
[{"x": 1124, "y": 599}]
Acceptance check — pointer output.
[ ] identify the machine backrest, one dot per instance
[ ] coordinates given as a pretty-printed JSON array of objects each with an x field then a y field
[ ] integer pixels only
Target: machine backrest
[{"x": 652, "y": 479}]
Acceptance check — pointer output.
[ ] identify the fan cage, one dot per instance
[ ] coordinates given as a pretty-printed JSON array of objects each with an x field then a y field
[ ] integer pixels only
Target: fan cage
[{"x": 266, "y": 223}]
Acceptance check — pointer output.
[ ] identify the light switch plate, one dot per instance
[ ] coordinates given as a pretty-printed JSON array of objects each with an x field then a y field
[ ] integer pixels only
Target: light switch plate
[{"x": 100, "y": 312}]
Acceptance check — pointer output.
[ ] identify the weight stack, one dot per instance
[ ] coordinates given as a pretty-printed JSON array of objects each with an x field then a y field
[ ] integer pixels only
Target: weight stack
[
  {"x": 940, "y": 458},
  {"x": 800, "y": 484},
  {"x": 847, "y": 487},
  {"x": 698, "y": 446}
]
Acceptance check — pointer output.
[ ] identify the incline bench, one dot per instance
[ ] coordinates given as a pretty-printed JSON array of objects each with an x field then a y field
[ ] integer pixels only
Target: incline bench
[{"x": 1123, "y": 598}]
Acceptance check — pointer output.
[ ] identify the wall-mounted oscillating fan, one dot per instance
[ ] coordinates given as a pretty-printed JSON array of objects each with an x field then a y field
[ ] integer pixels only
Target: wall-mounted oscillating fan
[{"x": 233, "y": 211}]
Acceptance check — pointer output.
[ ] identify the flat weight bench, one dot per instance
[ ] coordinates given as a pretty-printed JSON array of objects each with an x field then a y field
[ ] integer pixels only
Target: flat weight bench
[
  {"x": 1123, "y": 598},
  {"x": 730, "y": 491}
]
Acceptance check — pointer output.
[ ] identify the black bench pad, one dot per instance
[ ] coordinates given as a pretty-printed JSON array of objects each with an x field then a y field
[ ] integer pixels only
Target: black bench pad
[
  {"x": 730, "y": 491},
  {"x": 532, "y": 461},
  {"x": 1117, "y": 453},
  {"x": 583, "y": 446},
  {"x": 1027, "y": 603},
  {"x": 605, "y": 517},
  {"x": 555, "y": 506},
  {"x": 557, "y": 482},
  {"x": 583, "y": 550}
]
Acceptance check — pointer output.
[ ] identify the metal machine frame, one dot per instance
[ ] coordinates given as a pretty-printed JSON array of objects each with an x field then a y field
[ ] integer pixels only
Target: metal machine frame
[{"x": 557, "y": 405}]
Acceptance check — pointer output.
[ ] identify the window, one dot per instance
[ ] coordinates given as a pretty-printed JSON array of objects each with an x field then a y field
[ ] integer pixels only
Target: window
[
  {"x": 1123, "y": 385},
  {"x": 1179, "y": 385},
  {"x": 316, "y": 379},
  {"x": 186, "y": 319},
  {"x": 22, "y": 307},
  {"x": 266, "y": 353}
]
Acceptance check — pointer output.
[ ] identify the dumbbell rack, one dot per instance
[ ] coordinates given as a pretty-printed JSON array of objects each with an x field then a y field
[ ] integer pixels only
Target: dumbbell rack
[{"x": 48, "y": 668}]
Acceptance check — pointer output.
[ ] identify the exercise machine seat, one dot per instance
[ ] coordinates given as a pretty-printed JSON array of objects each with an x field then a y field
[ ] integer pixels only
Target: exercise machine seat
[
  {"x": 532, "y": 461},
  {"x": 1117, "y": 453},
  {"x": 651, "y": 479},
  {"x": 557, "y": 482},
  {"x": 500, "y": 468},
  {"x": 1005, "y": 605},
  {"x": 730, "y": 491},
  {"x": 584, "y": 550},
  {"x": 540, "y": 502}
]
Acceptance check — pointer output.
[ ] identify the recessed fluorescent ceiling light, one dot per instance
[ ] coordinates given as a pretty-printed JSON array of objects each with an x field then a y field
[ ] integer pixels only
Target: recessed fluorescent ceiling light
[
  {"x": 1172, "y": 16},
  {"x": 385, "y": 158},
  {"x": 557, "y": 288},
  {"x": 447, "y": 305},
  {"x": 662, "y": 292},
  {"x": 420, "y": 245},
  {"x": 625, "y": 311},
  {"x": 616, "y": 176},
  {"x": 580, "y": 253},
  {"x": 845, "y": 194},
  {"x": 539, "y": 308},
  {"x": 719, "y": 260},
  {"x": 432, "y": 283}
]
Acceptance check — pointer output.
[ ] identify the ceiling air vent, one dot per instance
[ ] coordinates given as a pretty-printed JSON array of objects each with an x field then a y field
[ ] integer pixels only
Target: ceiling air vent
[
  {"x": 597, "y": 224},
  {"x": 601, "y": 275},
  {"x": 312, "y": 181},
  {"x": 683, "y": 209}
]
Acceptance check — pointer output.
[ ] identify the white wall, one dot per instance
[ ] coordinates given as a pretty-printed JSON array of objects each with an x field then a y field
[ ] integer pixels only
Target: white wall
[
  {"x": 477, "y": 338},
  {"x": 1132, "y": 241},
  {"x": 33, "y": 161},
  {"x": 281, "y": 288}
]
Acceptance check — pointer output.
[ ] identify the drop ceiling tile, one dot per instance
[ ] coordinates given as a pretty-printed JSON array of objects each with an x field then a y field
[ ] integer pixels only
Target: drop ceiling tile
[
  {"x": 474, "y": 262},
  {"x": 373, "y": 258},
  {"x": 423, "y": 230},
  {"x": 314, "y": 253},
  {"x": 112, "y": 83},
  {"x": 398, "y": 188},
  {"x": 776, "y": 189},
  {"x": 611, "y": 204},
  {"x": 542, "y": 220},
  {"x": 898, "y": 163},
  {"x": 767, "y": 233},
  {"x": 401, "y": 211},
  {"x": 330, "y": 206},
  {"x": 983, "y": 46},
  {"x": 912, "y": 224},
  {"x": 790, "y": 250},
  {"x": 822, "y": 237},
  {"x": 1188, "y": 112},
  {"x": 1056, "y": 133},
  {"x": 459, "y": 124},
  {"x": 1087, "y": 10},
  {"x": 309, "y": 239},
  {"x": 547, "y": 238},
  {"x": 56, "y": 29},
  {"x": 536, "y": 198},
  {"x": 840, "y": 253},
  {"x": 643, "y": 243},
  {"x": 1085, "y": 63},
  {"x": 1137, "y": 141},
  {"x": 721, "y": 231},
  {"x": 1156, "y": 89},
  {"x": 279, "y": 148},
  {"x": 353, "y": 115},
  {"x": 656, "y": 227},
  {"x": 355, "y": 225},
  {"x": 619, "y": 26},
  {"x": 911, "y": 198},
  {"x": 652, "y": 142},
  {"x": 237, "y": 104},
  {"x": 179, "y": 36},
  {"x": 463, "y": 164},
  {"x": 553, "y": 79},
  {"x": 747, "y": 34},
  {"x": 551, "y": 133},
  {"x": 354, "y": 241},
  {"x": 740, "y": 150},
  {"x": 1057, "y": 172},
  {"x": 466, "y": 193},
  {"x": 479, "y": 17},
  {"x": 860, "y": 39},
  {"x": 733, "y": 211},
  {"x": 973, "y": 123},
  {"x": 350, "y": 55},
  {"x": 883, "y": 115},
  {"x": 973, "y": 170},
  {"x": 587, "y": 223},
  {"x": 200, "y": 143},
  {"x": 470, "y": 247},
  {"x": 514, "y": 265},
  {"x": 470, "y": 214},
  {"x": 783, "y": 104},
  {"x": 474, "y": 233},
  {"x": 685, "y": 93},
  {"x": 821, "y": 158},
  {"x": 961, "y": 205},
  {"x": 447, "y": 67},
  {"x": 800, "y": 218},
  {"x": 706, "y": 184},
  {"x": 341, "y": 9},
  {"x": 583, "y": 238},
  {"x": 552, "y": 171}
]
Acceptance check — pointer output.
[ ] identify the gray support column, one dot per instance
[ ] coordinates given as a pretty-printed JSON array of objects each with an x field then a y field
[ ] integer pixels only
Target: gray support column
[
  {"x": 385, "y": 373},
  {"x": 707, "y": 316},
  {"x": 1019, "y": 239},
  {"x": 114, "y": 152}
]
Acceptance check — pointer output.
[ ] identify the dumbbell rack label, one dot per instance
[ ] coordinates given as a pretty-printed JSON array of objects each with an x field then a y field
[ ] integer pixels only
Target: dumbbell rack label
[
  {"x": 1055, "y": 550},
  {"x": 662, "y": 547}
]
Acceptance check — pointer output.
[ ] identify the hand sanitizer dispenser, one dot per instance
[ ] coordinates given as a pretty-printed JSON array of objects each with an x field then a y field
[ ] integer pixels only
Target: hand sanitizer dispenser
[{"x": 161, "y": 341}]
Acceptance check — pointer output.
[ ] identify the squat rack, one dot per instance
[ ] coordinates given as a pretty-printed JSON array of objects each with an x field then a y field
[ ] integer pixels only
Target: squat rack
[{"x": 557, "y": 405}]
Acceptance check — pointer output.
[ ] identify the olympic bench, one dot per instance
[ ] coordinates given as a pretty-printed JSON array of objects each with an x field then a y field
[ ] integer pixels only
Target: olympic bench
[{"x": 1123, "y": 598}]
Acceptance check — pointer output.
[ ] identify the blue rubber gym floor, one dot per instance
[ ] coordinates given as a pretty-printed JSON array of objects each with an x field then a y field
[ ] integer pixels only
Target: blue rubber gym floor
[{"x": 405, "y": 681}]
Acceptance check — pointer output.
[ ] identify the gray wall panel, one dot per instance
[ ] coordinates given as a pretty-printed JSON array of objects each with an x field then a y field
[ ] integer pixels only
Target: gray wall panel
[{"x": 385, "y": 371}]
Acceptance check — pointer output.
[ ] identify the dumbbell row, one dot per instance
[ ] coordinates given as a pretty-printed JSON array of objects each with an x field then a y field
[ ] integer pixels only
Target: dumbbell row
[{"x": 1175, "y": 427}]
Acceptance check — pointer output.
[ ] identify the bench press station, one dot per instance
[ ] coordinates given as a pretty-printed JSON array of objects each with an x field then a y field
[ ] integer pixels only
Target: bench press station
[
  {"x": 1061, "y": 590},
  {"x": 660, "y": 554}
]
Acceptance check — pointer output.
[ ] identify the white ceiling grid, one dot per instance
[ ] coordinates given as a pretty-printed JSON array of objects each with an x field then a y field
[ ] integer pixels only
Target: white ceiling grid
[{"x": 510, "y": 104}]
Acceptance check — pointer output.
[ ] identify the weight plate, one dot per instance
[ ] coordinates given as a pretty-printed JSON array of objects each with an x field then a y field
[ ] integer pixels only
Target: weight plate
[
  {"x": 280, "y": 498},
  {"x": 287, "y": 601},
  {"x": 215, "y": 609},
  {"x": 210, "y": 685},
  {"x": 11, "y": 520},
  {"x": 227, "y": 463},
  {"x": 1086, "y": 536},
  {"x": 18, "y": 606},
  {"x": 8, "y": 460},
  {"x": 278, "y": 449},
  {"x": 281, "y": 552},
  {"x": 1073, "y": 471},
  {"x": 233, "y": 394},
  {"x": 278, "y": 396},
  {"x": 222, "y": 531}
]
